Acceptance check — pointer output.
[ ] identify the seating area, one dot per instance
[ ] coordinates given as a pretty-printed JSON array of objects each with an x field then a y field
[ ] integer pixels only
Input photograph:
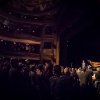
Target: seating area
[
  {"x": 19, "y": 47},
  {"x": 7, "y": 26}
]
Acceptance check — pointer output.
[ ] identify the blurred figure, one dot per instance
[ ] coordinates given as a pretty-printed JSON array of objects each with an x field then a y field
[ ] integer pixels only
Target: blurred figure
[
  {"x": 86, "y": 85},
  {"x": 40, "y": 83},
  {"x": 67, "y": 71},
  {"x": 53, "y": 82},
  {"x": 62, "y": 70},
  {"x": 48, "y": 68},
  {"x": 65, "y": 85},
  {"x": 97, "y": 77},
  {"x": 85, "y": 77},
  {"x": 75, "y": 77},
  {"x": 32, "y": 74}
]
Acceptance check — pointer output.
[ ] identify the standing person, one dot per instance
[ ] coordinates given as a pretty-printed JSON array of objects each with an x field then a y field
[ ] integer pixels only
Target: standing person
[
  {"x": 85, "y": 77},
  {"x": 48, "y": 68},
  {"x": 32, "y": 74},
  {"x": 53, "y": 82},
  {"x": 65, "y": 85},
  {"x": 97, "y": 77},
  {"x": 86, "y": 82},
  {"x": 75, "y": 77},
  {"x": 40, "y": 83}
]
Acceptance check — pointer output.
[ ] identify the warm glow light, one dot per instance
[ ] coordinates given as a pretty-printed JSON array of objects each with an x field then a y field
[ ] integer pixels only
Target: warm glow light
[
  {"x": 95, "y": 64},
  {"x": 20, "y": 40}
]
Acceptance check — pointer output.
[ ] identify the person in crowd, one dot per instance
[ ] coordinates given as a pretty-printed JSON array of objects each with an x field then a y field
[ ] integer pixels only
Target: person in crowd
[
  {"x": 25, "y": 81},
  {"x": 86, "y": 87},
  {"x": 76, "y": 83},
  {"x": 79, "y": 71},
  {"x": 62, "y": 70},
  {"x": 75, "y": 77},
  {"x": 14, "y": 77},
  {"x": 53, "y": 82},
  {"x": 97, "y": 77},
  {"x": 65, "y": 85},
  {"x": 67, "y": 71},
  {"x": 32, "y": 80},
  {"x": 70, "y": 69},
  {"x": 53, "y": 62},
  {"x": 32, "y": 74},
  {"x": 85, "y": 77},
  {"x": 48, "y": 67},
  {"x": 40, "y": 83}
]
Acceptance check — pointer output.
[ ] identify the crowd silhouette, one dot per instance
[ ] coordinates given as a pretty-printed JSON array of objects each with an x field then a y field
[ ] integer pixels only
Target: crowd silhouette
[{"x": 41, "y": 81}]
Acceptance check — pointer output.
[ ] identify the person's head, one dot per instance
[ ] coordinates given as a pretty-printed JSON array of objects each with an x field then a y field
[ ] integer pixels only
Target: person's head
[
  {"x": 39, "y": 70},
  {"x": 14, "y": 63},
  {"x": 76, "y": 69},
  {"x": 57, "y": 70},
  {"x": 73, "y": 70},
  {"x": 79, "y": 69},
  {"x": 32, "y": 68},
  {"x": 98, "y": 69},
  {"x": 46, "y": 65},
  {"x": 66, "y": 71}
]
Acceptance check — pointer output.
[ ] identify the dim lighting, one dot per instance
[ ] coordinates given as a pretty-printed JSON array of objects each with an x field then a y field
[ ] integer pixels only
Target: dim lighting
[
  {"x": 8, "y": 29},
  {"x": 25, "y": 17},
  {"x": 27, "y": 44},
  {"x": 33, "y": 31},
  {"x": 14, "y": 42},
  {"x": 1, "y": 40},
  {"x": 49, "y": 13},
  {"x": 35, "y": 18},
  {"x": 36, "y": 26},
  {"x": 9, "y": 13},
  {"x": 6, "y": 22},
  {"x": 21, "y": 16},
  {"x": 21, "y": 29},
  {"x": 4, "y": 26},
  {"x": 17, "y": 29}
]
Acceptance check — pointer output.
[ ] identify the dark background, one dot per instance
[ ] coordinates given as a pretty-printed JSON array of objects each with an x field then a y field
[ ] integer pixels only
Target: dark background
[{"x": 80, "y": 32}]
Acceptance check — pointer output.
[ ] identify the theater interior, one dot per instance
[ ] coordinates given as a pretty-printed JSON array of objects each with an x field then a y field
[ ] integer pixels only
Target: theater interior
[{"x": 48, "y": 46}]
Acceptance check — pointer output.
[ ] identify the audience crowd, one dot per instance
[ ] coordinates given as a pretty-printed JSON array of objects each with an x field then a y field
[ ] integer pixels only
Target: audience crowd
[
  {"x": 19, "y": 47},
  {"x": 20, "y": 28},
  {"x": 42, "y": 81}
]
